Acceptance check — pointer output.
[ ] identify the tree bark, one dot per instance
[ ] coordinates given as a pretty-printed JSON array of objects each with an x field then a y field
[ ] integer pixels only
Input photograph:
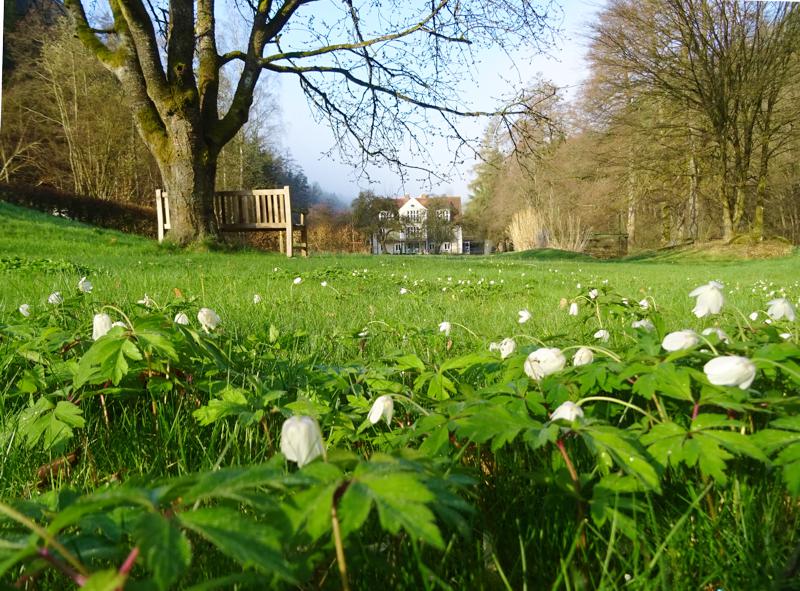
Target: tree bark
[
  {"x": 189, "y": 179},
  {"x": 727, "y": 221}
]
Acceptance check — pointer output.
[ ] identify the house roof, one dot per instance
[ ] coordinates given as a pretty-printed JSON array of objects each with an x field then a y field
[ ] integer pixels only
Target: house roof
[{"x": 425, "y": 200}]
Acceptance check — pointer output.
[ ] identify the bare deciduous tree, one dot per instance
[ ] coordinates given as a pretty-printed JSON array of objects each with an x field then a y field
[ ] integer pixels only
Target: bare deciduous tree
[{"x": 380, "y": 73}]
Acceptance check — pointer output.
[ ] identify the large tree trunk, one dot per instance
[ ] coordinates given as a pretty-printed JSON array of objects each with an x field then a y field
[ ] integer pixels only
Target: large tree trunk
[
  {"x": 727, "y": 221},
  {"x": 189, "y": 176},
  {"x": 630, "y": 223}
]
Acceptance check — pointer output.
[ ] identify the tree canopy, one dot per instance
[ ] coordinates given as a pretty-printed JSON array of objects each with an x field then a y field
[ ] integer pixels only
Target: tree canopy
[{"x": 382, "y": 75}]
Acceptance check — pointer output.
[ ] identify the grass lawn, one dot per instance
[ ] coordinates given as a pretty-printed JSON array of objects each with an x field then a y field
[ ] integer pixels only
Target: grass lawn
[{"x": 666, "y": 482}]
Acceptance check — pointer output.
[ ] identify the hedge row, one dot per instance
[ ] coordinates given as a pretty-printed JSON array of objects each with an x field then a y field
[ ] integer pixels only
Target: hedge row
[{"x": 132, "y": 219}]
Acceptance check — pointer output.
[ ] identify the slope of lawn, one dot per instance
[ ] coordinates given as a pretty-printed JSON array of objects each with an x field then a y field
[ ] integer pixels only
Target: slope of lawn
[{"x": 153, "y": 454}]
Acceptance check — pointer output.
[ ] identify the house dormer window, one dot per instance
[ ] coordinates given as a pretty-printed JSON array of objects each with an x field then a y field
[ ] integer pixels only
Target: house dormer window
[{"x": 444, "y": 214}]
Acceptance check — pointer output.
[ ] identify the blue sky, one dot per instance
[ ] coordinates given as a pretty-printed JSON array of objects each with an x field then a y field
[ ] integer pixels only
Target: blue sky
[{"x": 308, "y": 141}]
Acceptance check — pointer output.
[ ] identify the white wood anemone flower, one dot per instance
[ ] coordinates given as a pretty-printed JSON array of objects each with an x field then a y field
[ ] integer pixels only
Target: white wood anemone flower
[
  {"x": 602, "y": 335},
  {"x": 101, "y": 324},
  {"x": 679, "y": 340},
  {"x": 573, "y": 309},
  {"x": 721, "y": 334},
  {"x": 781, "y": 308},
  {"x": 297, "y": 280},
  {"x": 644, "y": 323},
  {"x": 256, "y": 298},
  {"x": 730, "y": 370},
  {"x": 55, "y": 298},
  {"x": 524, "y": 316},
  {"x": 383, "y": 407},
  {"x": 301, "y": 440},
  {"x": 208, "y": 319},
  {"x": 506, "y": 347},
  {"x": 147, "y": 301},
  {"x": 583, "y": 356},
  {"x": 181, "y": 318},
  {"x": 709, "y": 299},
  {"x": 25, "y": 310},
  {"x": 85, "y": 285},
  {"x": 568, "y": 411},
  {"x": 543, "y": 362}
]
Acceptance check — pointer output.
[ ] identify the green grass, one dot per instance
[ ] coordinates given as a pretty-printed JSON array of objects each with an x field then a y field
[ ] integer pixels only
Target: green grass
[{"x": 524, "y": 532}]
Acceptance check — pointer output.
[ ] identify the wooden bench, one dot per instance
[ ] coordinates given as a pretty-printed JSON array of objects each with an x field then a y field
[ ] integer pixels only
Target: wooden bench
[{"x": 267, "y": 210}]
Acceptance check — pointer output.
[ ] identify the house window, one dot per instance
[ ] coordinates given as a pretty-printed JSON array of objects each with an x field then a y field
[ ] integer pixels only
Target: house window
[
  {"x": 446, "y": 247},
  {"x": 398, "y": 248},
  {"x": 412, "y": 230},
  {"x": 444, "y": 214},
  {"x": 385, "y": 215},
  {"x": 467, "y": 246},
  {"x": 414, "y": 215}
]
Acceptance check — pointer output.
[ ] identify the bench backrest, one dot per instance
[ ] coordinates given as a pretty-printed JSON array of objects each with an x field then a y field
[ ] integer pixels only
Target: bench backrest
[{"x": 241, "y": 211}]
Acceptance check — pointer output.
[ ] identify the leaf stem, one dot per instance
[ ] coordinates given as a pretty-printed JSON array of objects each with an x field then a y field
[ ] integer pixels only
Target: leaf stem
[
  {"x": 576, "y": 483},
  {"x": 620, "y": 402},
  {"x": 779, "y": 366},
  {"x": 572, "y": 472},
  {"x": 45, "y": 535},
  {"x": 414, "y": 404},
  {"x": 465, "y": 328},
  {"x": 337, "y": 541}
]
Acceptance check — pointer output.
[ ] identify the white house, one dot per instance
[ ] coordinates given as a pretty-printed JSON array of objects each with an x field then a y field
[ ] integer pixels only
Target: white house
[{"x": 412, "y": 238}]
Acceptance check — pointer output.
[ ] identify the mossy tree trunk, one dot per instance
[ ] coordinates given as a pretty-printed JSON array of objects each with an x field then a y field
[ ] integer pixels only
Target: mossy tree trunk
[{"x": 176, "y": 105}]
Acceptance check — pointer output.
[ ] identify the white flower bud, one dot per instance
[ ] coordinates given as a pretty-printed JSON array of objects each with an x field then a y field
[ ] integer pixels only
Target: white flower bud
[
  {"x": 85, "y": 285},
  {"x": 208, "y": 319},
  {"x": 301, "y": 440},
  {"x": 383, "y": 407},
  {"x": 543, "y": 362},
  {"x": 583, "y": 356},
  {"x": 602, "y": 335},
  {"x": 681, "y": 339},
  {"x": 568, "y": 411},
  {"x": 730, "y": 370},
  {"x": 100, "y": 325}
]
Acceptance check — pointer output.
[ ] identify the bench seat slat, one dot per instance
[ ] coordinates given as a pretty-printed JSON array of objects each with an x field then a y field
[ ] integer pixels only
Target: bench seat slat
[{"x": 244, "y": 226}]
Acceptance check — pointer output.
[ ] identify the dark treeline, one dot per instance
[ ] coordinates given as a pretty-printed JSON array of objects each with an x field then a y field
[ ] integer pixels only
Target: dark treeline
[{"x": 687, "y": 130}]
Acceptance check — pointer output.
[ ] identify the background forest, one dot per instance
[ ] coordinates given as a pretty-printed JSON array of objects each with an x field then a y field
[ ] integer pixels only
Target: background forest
[{"x": 686, "y": 130}]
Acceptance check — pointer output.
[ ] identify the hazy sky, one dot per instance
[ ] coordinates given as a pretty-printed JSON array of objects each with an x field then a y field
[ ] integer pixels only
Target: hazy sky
[{"x": 307, "y": 141}]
